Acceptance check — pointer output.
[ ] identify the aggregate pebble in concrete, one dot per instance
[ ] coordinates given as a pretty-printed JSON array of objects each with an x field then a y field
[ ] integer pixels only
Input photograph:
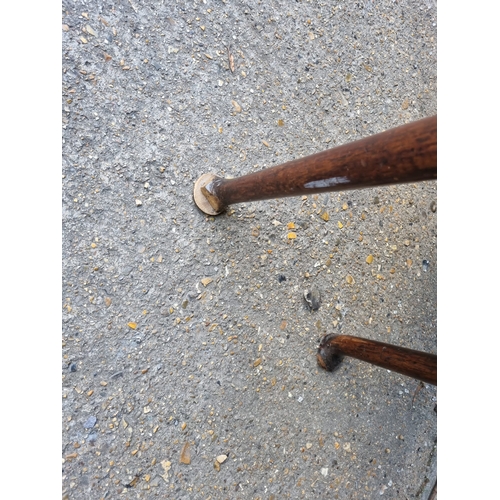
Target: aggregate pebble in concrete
[{"x": 180, "y": 328}]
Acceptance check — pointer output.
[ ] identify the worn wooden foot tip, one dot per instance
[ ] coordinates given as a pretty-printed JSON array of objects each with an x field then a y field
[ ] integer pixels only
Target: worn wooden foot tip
[
  {"x": 328, "y": 355},
  {"x": 205, "y": 200}
]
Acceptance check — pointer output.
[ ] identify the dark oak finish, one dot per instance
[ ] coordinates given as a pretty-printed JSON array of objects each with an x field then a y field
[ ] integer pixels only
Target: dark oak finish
[
  {"x": 416, "y": 364},
  {"x": 400, "y": 155}
]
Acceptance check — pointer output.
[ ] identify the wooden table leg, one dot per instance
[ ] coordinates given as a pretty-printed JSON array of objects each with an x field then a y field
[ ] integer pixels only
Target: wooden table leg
[
  {"x": 416, "y": 364},
  {"x": 396, "y": 156}
]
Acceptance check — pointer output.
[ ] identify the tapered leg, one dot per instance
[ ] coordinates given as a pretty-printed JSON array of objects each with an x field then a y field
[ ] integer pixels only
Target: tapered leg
[
  {"x": 400, "y": 155},
  {"x": 416, "y": 364}
]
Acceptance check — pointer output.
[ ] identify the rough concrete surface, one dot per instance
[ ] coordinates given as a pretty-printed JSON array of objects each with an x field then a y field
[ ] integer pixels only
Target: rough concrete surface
[{"x": 186, "y": 337}]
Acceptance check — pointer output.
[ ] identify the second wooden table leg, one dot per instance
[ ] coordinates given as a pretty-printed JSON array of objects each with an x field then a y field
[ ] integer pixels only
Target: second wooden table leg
[{"x": 416, "y": 364}]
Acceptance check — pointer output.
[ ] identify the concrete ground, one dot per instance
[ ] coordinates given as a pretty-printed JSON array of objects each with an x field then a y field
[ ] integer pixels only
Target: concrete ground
[{"x": 189, "y": 366}]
